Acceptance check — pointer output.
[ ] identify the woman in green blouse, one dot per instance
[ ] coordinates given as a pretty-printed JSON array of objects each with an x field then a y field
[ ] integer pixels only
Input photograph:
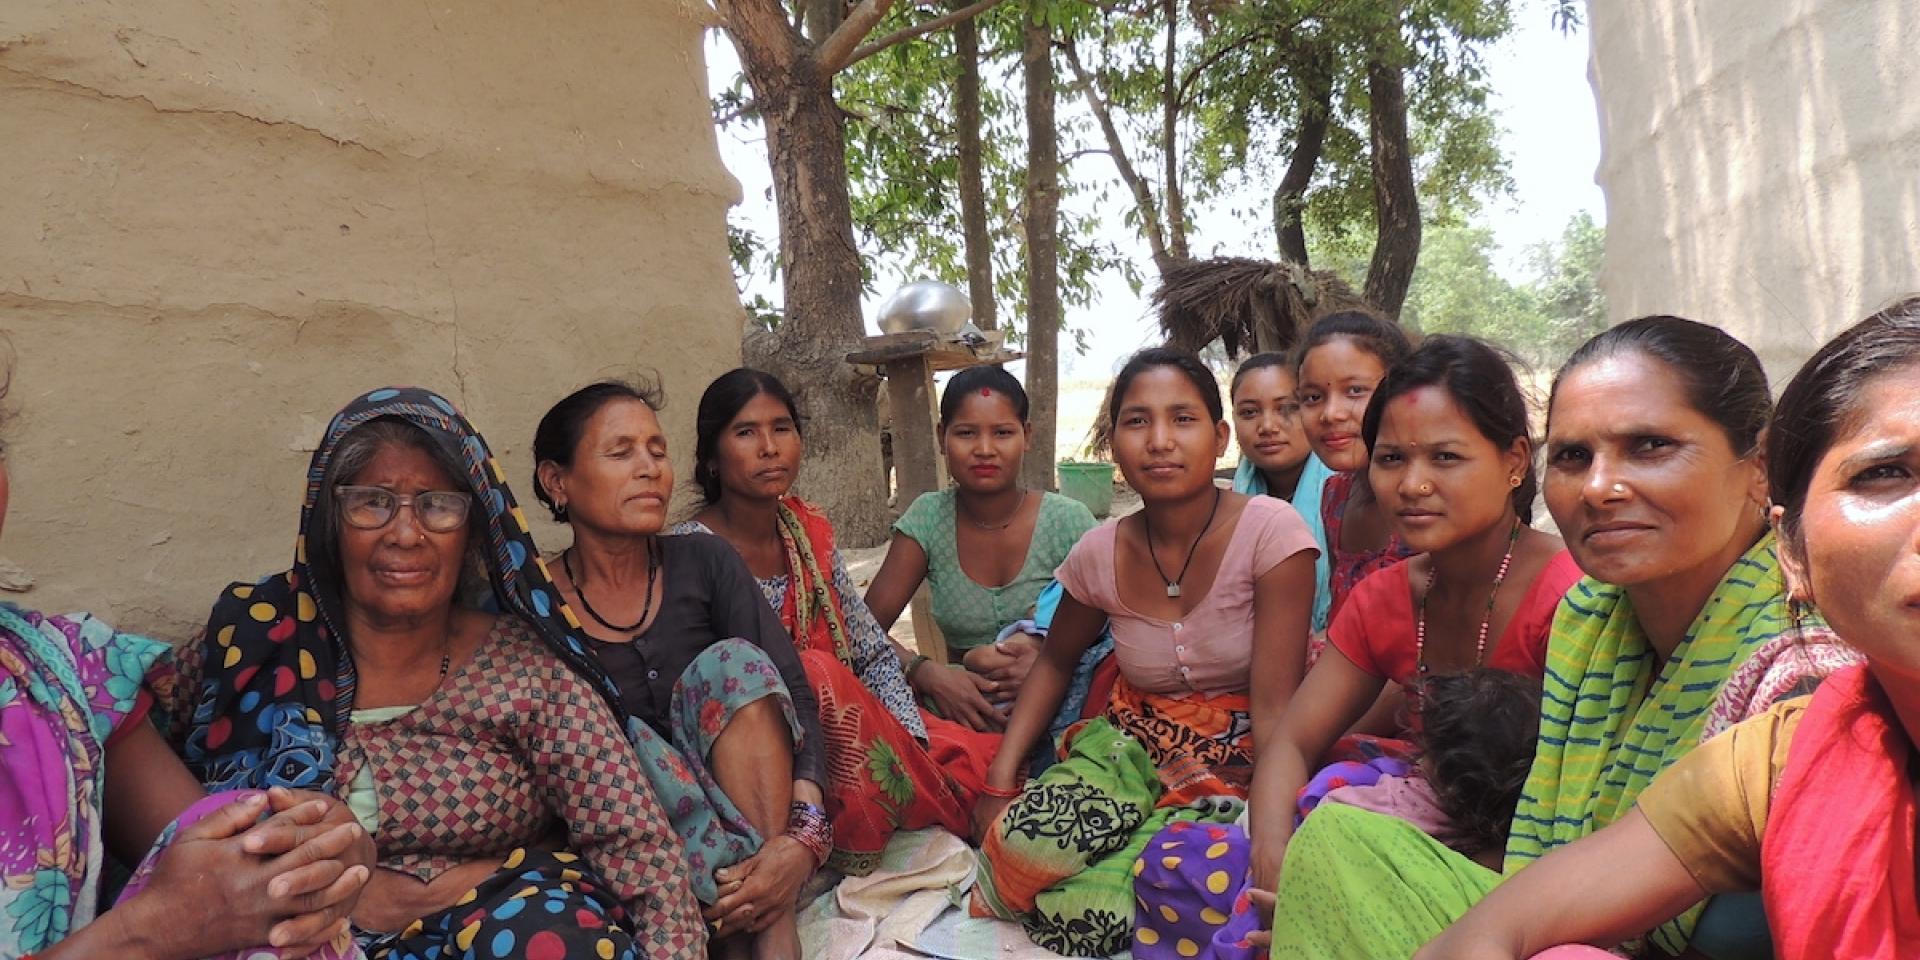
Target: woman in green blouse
[{"x": 986, "y": 547}]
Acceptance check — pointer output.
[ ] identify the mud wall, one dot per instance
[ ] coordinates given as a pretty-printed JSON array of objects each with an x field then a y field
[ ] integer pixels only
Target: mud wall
[
  {"x": 222, "y": 219},
  {"x": 1761, "y": 162}
]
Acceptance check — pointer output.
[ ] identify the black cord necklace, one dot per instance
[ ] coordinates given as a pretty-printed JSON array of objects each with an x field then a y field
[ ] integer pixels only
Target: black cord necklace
[
  {"x": 1173, "y": 584},
  {"x": 580, "y": 590}
]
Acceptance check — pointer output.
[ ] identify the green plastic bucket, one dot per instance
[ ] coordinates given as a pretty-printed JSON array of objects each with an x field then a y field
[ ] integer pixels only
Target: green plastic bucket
[{"x": 1089, "y": 483}]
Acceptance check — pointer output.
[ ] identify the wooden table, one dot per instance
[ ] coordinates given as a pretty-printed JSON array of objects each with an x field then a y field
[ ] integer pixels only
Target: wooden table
[{"x": 908, "y": 362}]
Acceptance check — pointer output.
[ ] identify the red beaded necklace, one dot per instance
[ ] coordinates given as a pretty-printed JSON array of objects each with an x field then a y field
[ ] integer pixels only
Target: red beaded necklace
[{"x": 1480, "y": 647}]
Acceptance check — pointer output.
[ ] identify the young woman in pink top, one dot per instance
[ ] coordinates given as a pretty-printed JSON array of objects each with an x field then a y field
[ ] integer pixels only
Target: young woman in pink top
[{"x": 1208, "y": 594}]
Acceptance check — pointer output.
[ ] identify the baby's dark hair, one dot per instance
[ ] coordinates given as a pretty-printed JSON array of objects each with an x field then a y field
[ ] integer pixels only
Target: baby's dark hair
[{"x": 1478, "y": 730}]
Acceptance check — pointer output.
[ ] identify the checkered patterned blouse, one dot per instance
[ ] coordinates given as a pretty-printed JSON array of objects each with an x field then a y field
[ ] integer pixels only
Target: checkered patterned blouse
[{"x": 515, "y": 750}]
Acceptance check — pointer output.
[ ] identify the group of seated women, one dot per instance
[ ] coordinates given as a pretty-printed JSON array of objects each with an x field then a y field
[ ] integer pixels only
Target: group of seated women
[{"x": 1356, "y": 706}]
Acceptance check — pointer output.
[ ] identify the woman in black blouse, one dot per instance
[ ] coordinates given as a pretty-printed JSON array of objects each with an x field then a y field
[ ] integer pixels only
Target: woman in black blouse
[{"x": 699, "y": 657}]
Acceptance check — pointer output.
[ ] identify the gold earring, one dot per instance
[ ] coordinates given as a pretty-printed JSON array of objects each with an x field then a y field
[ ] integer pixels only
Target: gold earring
[{"x": 1513, "y": 482}]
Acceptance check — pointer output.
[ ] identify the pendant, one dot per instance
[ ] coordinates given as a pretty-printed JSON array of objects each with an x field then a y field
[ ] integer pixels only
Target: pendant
[{"x": 1173, "y": 589}]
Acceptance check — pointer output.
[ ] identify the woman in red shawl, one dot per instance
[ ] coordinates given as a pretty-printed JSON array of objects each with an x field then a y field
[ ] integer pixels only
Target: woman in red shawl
[
  {"x": 892, "y": 765},
  {"x": 1812, "y": 803}
]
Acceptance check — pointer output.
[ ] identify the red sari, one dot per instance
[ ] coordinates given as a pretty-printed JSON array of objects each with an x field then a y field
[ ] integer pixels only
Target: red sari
[
  {"x": 882, "y": 777},
  {"x": 1837, "y": 859}
]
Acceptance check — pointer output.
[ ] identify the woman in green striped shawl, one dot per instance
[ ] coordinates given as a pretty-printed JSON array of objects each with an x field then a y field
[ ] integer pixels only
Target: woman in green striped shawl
[{"x": 1654, "y": 478}]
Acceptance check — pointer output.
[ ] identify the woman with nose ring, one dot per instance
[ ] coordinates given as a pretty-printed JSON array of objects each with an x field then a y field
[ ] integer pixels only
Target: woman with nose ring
[
  {"x": 1813, "y": 802},
  {"x": 890, "y": 765},
  {"x": 1654, "y": 475}
]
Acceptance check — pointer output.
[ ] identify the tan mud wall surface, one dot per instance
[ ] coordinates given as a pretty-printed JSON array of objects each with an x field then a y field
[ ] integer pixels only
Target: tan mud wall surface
[
  {"x": 223, "y": 220},
  {"x": 1761, "y": 160}
]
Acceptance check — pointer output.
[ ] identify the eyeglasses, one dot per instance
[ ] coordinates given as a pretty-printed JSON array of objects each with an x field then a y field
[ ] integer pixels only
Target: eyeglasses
[{"x": 371, "y": 508}]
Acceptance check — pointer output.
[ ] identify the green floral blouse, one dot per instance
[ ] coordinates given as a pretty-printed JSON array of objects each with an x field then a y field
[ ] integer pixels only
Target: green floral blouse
[{"x": 969, "y": 614}]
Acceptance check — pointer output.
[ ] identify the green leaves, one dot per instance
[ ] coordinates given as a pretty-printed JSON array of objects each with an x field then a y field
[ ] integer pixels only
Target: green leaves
[{"x": 1457, "y": 290}]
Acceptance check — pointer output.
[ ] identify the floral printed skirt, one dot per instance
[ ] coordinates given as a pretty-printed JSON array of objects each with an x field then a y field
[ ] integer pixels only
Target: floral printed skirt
[
  {"x": 884, "y": 779},
  {"x": 1061, "y": 858},
  {"x": 723, "y": 680}
]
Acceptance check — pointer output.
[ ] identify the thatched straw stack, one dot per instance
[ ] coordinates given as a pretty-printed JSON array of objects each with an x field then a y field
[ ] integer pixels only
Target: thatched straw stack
[{"x": 1248, "y": 305}]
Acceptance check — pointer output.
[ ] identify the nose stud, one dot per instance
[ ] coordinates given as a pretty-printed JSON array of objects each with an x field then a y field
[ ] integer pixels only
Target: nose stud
[
  {"x": 1619, "y": 488},
  {"x": 1425, "y": 489}
]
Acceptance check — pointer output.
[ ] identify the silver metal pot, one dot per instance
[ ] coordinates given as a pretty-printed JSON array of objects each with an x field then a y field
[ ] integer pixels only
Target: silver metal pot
[{"x": 925, "y": 305}]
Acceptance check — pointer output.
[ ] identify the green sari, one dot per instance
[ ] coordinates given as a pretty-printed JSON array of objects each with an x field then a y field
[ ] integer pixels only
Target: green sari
[{"x": 1365, "y": 886}]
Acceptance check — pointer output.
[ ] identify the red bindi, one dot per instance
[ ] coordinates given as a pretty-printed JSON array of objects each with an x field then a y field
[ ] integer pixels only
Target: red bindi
[{"x": 986, "y": 392}]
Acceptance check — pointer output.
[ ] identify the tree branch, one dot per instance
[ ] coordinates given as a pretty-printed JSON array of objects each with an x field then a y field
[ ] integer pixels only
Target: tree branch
[
  {"x": 1170, "y": 138},
  {"x": 837, "y": 50},
  {"x": 941, "y": 22},
  {"x": 1310, "y": 135},
  {"x": 768, "y": 45},
  {"x": 1142, "y": 193},
  {"x": 1077, "y": 154},
  {"x": 1200, "y": 69}
]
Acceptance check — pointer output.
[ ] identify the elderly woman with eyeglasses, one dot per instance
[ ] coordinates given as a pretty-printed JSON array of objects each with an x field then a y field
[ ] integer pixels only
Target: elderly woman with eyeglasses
[{"x": 461, "y": 720}]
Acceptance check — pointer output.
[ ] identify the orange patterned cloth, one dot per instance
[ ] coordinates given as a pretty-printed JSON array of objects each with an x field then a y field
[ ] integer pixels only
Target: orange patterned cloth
[{"x": 1201, "y": 744}]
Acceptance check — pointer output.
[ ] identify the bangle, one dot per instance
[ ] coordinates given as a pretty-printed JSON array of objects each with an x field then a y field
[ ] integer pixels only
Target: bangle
[
  {"x": 999, "y": 793},
  {"x": 807, "y": 825},
  {"x": 914, "y": 664}
]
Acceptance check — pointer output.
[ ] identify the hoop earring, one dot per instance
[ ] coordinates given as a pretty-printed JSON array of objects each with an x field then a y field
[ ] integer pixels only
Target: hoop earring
[{"x": 560, "y": 513}]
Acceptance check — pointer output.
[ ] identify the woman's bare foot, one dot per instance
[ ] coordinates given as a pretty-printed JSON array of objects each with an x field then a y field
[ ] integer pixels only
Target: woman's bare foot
[{"x": 780, "y": 940}]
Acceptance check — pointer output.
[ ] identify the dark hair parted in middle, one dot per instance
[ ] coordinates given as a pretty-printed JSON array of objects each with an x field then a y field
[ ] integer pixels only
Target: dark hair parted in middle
[
  {"x": 1380, "y": 337},
  {"x": 1261, "y": 361},
  {"x": 564, "y": 423},
  {"x": 1180, "y": 360},
  {"x": 1481, "y": 382},
  {"x": 984, "y": 379},
  {"x": 723, "y": 400},
  {"x": 1721, "y": 376},
  {"x": 1823, "y": 399},
  {"x": 1477, "y": 739}
]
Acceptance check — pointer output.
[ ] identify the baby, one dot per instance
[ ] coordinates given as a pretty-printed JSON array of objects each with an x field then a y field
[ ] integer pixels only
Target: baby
[{"x": 1460, "y": 783}]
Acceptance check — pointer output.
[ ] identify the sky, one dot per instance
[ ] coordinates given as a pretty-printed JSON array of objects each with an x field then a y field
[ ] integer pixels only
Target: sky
[{"x": 1551, "y": 139}]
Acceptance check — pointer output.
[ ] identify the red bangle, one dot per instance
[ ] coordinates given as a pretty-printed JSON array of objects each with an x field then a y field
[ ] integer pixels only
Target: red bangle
[{"x": 999, "y": 794}]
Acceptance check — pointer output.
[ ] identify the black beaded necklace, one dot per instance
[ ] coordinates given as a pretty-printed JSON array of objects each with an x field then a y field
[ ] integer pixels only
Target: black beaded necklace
[{"x": 580, "y": 590}]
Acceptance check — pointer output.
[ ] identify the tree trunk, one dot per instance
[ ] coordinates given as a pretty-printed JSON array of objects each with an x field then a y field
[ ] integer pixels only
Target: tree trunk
[
  {"x": 973, "y": 193},
  {"x": 1396, "y": 201},
  {"x": 1310, "y": 137},
  {"x": 1043, "y": 249},
  {"x": 821, "y": 323},
  {"x": 1170, "y": 136}
]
